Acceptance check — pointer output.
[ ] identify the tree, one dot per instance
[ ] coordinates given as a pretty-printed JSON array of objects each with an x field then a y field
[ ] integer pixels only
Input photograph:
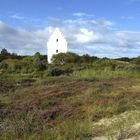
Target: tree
[
  {"x": 4, "y": 54},
  {"x": 39, "y": 62},
  {"x": 37, "y": 55},
  {"x": 85, "y": 58}
]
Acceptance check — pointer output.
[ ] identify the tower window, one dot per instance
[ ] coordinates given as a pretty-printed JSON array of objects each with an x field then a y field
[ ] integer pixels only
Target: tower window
[
  {"x": 56, "y": 51},
  {"x": 56, "y": 40}
]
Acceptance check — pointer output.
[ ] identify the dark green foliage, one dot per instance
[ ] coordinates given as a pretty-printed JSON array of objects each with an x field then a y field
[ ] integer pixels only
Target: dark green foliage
[
  {"x": 65, "y": 58},
  {"x": 125, "y": 59},
  {"x": 128, "y": 67},
  {"x": 136, "y": 61},
  {"x": 88, "y": 59},
  {"x": 14, "y": 65},
  {"x": 3, "y": 65},
  {"x": 105, "y": 63},
  {"x": 28, "y": 64},
  {"x": 39, "y": 62},
  {"x": 57, "y": 71},
  {"x": 4, "y": 54},
  {"x": 15, "y": 78}
]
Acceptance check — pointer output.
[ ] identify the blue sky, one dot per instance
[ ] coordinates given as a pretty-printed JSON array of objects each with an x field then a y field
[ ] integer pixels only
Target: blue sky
[{"x": 105, "y": 28}]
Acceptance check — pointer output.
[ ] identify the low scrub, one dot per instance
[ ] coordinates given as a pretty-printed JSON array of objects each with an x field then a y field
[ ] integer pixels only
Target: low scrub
[
  {"x": 101, "y": 74},
  {"x": 57, "y": 71}
]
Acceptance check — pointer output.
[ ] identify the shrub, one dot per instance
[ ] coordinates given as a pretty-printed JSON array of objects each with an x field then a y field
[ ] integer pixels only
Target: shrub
[
  {"x": 128, "y": 67},
  {"x": 64, "y": 58},
  {"x": 136, "y": 61},
  {"x": 3, "y": 65},
  {"x": 39, "y": 65},
  {"x": 57, "y": 71},
  {"x": 105, "y": 63},
  {"x": 40, "y": 62}
]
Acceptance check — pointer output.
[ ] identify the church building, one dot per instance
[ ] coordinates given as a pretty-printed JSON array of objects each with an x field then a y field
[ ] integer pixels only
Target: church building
[{"x": 56, "y": 44}]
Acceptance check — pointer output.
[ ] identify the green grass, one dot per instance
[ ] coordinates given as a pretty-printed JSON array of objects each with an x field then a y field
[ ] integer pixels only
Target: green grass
[
  {"x": 12, "y": 78},
  {"x": 69, "y": 107},
  {"x": 103, "y": 74}
]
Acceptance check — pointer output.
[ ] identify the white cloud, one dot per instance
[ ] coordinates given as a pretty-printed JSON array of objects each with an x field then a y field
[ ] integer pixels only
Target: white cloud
[
  {"x": 108, "y": 23},
  {"x": 104, "y": 22},
  {"x": 23, "y": 41},
  {"x": 86, "y": 36},
  {"x": 93, "y": 36},
  {"x": 81, "y": 14}
]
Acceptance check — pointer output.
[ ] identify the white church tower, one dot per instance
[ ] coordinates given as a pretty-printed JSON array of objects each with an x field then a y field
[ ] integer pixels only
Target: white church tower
[{"x": 56, "y": 44}]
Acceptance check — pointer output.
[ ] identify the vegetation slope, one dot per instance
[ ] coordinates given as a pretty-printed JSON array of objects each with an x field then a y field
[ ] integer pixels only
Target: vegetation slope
[{"x": 74, "y": 98}]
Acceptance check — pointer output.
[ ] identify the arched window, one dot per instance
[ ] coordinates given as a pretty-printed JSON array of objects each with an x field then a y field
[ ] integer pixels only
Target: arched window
[
  {"x": 57, "y": 40},
  {"x": 56, "y": 51}
]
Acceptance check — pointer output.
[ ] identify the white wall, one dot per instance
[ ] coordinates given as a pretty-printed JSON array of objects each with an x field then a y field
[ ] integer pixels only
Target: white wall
[{"x": 53, "y": 44}]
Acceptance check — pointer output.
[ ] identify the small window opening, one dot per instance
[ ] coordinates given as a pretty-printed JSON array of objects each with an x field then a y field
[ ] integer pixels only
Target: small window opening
[
  {"x": 56, "y": 40},
  {"x": 56, "y": 51}
]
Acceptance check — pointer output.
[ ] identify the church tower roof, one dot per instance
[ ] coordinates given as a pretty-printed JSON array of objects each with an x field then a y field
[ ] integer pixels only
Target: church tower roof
[{"x": 56, "y": 33}]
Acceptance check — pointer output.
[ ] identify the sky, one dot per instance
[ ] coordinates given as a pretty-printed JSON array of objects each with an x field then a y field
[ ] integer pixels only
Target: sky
[{"x": 103, "y": 28}]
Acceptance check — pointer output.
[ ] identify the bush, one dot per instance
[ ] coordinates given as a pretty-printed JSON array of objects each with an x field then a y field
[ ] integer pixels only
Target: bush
[
  {"x": 24, "y": 65},
  {"x": 128, "y": 67},
  {"x": 64, "y": 58},
  {"x": 56, "y": 71},
  {"x": 13, "y": 65},
  {"x": 40, "y": 62},
  {"x": 105, "y": 63},
  {"x": 40, "y": 65},
  {"x": 136, "y": 61},
  {"x": 3, "y": 65}
]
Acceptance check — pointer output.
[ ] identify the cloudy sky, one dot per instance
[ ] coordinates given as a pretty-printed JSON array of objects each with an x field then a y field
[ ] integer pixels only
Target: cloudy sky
[{"x": 104, "y": 28}]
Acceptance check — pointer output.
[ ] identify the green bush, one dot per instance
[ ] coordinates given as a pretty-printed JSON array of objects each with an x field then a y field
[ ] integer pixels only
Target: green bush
[
  {"x": 65, "y": 58},
  {"x": 136, "y": 61},
  {"x": 100, "y": 74},
  {"x": 128, "y": 67},
  {"x": 40, "y": 62},
  {"x": 57, "y": 71},
  {"x": 3, "y": 65},
  {"x": 104, "y": 63}
]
